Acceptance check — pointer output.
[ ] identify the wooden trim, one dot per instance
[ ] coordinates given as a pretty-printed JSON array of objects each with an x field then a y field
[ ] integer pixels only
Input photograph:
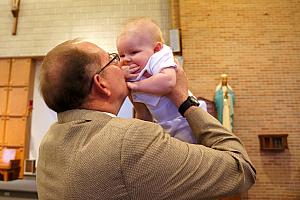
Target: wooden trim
[{"x": 36, "y": 58}]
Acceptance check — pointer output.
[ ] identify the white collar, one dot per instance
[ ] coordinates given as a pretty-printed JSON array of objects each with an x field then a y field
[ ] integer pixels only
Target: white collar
[{"x": 110, "y": 114}]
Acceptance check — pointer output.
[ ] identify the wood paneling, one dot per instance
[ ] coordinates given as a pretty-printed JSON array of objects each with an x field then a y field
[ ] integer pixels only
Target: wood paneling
[
  {"x": 2, "y": 124},
  {"x": 4, "y": 71},
  {"x": 3, "y": 100},
  {"x": 17, "y": 104},
  {"x": 20, "y": 72},
  {"x": 15, "y": 131},
  {"x": 16, "y": 88}
]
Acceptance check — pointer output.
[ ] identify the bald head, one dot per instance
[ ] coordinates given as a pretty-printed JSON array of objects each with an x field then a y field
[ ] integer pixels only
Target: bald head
[
  {"x": 66, "y": 74},
  {"x": 143, "y": 26}
]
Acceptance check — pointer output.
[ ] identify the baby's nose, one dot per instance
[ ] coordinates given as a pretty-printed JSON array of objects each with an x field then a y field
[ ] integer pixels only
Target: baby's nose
[{"x": 126, "y": 60}]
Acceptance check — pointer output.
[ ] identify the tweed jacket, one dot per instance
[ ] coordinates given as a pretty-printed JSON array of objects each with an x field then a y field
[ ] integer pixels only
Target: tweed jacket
[{"x": 91, "y": 155}]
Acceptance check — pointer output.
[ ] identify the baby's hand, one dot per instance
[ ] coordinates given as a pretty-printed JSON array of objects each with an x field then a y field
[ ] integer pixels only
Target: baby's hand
[
  {"x": 132, "y": 86},
  {"x": 130, "y": 71}
]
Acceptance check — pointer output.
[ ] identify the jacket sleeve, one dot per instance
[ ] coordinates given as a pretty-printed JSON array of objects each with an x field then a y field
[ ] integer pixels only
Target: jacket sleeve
[{"x": 157, "y": 166}]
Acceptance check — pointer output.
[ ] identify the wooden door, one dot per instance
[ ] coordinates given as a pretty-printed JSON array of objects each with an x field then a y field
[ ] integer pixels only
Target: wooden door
[
  {"x": 3, "y": 100},
  {"x": 4, "y": 71},
  {"x": 16, "y": 89},
  {"x": 2, "y": 129},
  {"x": 17, "y": 101},
  {"x": 15, "y": 131},
  {"x": 20, "y": 72}
]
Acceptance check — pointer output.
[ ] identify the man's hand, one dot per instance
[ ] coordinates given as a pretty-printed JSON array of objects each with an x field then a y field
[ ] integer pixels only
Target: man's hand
[{"x": 180, "y": 92}]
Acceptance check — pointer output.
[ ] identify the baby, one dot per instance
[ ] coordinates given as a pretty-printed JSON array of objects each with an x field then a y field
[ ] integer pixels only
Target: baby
[{"x": 150, "y": 70}]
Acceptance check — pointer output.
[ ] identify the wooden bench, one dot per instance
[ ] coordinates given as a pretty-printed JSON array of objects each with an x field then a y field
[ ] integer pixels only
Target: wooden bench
[
  {"x": 9, "y": 164},
  {"x": 11, "y": 170}
]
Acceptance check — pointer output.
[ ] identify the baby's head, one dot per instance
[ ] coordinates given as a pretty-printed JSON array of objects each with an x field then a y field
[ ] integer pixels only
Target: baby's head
[{"x": 138, "y": 41}]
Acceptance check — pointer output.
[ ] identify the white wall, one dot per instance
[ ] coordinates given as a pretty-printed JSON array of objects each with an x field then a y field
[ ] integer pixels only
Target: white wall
[
  {"x": 45, "y": 23},
  {"x": 42, "y": 117}
]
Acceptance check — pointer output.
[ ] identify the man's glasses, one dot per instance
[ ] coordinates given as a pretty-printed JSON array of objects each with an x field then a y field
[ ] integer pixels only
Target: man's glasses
[{"x": 114, "y": 58}]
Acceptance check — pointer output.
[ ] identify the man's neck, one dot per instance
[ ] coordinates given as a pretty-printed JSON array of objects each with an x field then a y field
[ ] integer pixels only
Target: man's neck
[{"x": 103, "y": 106}]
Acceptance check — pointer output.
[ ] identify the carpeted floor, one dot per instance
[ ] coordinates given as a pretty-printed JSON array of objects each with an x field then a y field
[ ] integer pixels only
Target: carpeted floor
[{"x": 22, "y": 189}]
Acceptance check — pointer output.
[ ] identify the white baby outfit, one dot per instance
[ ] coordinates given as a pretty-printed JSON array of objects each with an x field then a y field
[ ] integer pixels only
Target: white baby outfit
[{"x": 163, "y": 111}]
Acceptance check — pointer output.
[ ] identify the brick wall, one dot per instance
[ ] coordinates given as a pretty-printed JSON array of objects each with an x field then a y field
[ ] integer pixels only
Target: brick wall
[
  {"x": 257, "y": 43},
  {"x": 44, "y": 24}
]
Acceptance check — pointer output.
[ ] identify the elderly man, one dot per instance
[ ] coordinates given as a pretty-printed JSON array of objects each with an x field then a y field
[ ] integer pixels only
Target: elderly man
[{"x": 89, "y": 153}]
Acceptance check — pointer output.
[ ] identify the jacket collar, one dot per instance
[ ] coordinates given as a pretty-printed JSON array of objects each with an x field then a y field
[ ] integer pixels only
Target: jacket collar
[{"x": 82, "y": 114}]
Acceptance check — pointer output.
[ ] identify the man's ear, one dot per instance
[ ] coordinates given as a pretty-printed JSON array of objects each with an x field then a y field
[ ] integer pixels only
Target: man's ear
[
  {"x": 158, "y": 46},
  {"x": 101, "y": 85}
]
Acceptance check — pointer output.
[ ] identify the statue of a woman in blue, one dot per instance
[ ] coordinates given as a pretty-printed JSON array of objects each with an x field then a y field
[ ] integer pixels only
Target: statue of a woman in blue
[{"x": 224, "y": 101}]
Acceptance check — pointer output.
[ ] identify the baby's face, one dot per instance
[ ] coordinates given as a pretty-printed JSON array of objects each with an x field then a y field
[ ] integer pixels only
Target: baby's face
[{"x": 135, "y": 49}]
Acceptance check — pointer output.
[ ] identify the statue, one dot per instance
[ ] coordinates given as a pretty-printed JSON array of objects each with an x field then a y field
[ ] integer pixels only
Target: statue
[{"x": 224, "y": 101}]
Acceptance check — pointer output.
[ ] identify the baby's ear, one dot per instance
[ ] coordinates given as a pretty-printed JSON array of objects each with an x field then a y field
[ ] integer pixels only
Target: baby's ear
[{"x": 158, "y": 46}]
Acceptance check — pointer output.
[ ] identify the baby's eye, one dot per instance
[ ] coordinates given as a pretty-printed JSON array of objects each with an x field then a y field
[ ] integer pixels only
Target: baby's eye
[
  {"x": 135, "y": 52},
  {"x": 122, "y": 56}
]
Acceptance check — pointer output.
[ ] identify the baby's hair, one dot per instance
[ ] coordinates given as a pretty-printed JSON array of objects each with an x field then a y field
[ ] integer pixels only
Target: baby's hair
[{"x": 144, "y": 23}]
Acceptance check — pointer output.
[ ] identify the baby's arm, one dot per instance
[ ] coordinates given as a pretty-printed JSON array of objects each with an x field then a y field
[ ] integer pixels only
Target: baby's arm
[{"x": 159, "y": 84}]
